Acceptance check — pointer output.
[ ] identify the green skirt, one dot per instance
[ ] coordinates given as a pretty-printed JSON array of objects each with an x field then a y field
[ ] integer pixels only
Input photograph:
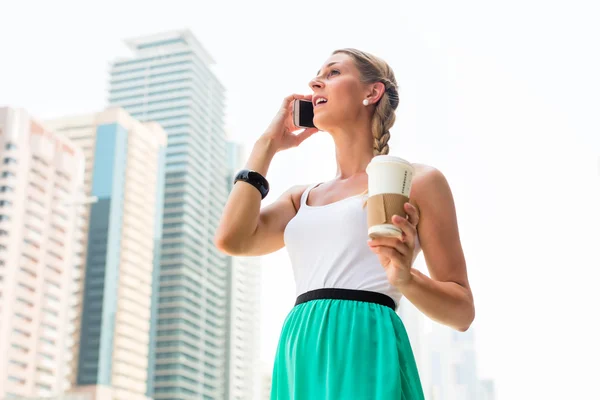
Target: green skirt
[{"x": 339, "y": 344}]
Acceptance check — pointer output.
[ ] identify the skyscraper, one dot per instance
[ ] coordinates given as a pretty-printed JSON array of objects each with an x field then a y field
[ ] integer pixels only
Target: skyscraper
[
  {"x": 169, "y": 80},
  {"x": 41, "y": 176},
  {"x": 414, "y": 321},
  {"x": 265, "y": 383},
  {"x": 487, "y": 390},
  {"x": 453, "y": 365},
  {"x": 125, "y": 171},
  {"x": 244, "y": 340}
]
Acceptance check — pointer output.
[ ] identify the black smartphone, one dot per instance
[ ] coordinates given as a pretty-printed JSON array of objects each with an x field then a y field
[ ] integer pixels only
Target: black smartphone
[{"x": 303, "y": 114}]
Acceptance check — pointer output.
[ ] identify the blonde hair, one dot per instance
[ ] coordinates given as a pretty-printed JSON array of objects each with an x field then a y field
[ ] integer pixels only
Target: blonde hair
[{"x": 373, "y": 69}]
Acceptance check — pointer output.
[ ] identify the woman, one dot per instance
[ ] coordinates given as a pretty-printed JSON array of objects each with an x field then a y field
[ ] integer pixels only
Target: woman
[{"x": 343, "y": 339}]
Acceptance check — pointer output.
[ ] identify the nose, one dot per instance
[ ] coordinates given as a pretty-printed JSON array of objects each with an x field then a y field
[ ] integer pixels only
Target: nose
[{"x": 315, "y": 83}]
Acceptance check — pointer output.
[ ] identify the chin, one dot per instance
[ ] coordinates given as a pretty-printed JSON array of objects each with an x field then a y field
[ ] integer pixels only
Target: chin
[{"x": 322, "y": 122}]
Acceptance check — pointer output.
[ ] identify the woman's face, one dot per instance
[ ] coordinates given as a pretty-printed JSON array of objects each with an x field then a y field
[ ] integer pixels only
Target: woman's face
[{"x": 338, "y": 92}]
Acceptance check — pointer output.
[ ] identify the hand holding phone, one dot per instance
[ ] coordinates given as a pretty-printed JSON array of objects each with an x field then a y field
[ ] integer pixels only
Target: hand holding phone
[{"x": 280, "y": 132}]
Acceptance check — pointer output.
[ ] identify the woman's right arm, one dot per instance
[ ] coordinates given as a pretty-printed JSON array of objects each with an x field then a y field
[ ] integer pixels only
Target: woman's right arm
[{"x": 245, "y": 229}]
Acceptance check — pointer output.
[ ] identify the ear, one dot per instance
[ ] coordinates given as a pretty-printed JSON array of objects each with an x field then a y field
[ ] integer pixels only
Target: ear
[{"x": 375, "y": 92}]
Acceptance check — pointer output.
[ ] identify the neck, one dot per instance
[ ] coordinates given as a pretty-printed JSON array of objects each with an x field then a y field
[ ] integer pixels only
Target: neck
[{"x": 353, "y": 151}]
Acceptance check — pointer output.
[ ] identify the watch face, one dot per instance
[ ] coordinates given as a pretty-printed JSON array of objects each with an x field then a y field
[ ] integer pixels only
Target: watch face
[{"x": 255, "y": 179}]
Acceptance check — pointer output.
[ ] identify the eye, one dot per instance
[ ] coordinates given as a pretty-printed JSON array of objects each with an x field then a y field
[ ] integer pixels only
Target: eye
[{"x": 332, "y": 72}]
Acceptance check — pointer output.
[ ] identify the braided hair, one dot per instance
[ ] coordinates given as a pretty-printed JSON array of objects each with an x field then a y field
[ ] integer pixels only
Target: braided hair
[{"x": 372, "y": 69}]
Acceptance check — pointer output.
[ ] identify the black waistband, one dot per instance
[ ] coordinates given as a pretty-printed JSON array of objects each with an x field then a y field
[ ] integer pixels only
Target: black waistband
[{"x": 347, "y": 294}]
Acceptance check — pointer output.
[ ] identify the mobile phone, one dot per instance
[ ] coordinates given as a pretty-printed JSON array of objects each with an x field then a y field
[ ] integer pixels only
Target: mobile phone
[{"x": 303, "y": 114}]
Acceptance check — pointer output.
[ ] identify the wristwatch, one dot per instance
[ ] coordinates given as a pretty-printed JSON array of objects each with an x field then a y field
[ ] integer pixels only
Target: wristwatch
[{"x": 255, "y": 179}]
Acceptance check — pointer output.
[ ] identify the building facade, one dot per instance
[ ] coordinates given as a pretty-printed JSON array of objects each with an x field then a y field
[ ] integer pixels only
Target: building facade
[
  {"x": 453, "y": 364},
  {"x": 244, "y": 336},
  {"x": 168, "y": 79},
  {"x": 415, "y": 323},
  {"x": 125, "y": 172},
  {"x": 41, "y": 176}
]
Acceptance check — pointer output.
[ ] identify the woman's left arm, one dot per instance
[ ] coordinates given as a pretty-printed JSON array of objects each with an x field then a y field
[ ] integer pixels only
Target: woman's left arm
[{"x": 445, "y": 297}]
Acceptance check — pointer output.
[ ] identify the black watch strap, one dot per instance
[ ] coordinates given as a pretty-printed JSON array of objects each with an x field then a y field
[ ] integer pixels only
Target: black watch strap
[{"x": 255, "y": 179}]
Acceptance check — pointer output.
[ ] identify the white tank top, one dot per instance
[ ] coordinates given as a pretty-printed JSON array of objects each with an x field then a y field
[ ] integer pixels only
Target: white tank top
[{"x": 327, "y": 246}]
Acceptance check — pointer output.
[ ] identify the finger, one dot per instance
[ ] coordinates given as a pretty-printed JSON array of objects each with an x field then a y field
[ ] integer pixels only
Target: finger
[
  {"x": 409, "y": 230},
  {"x": 390, "y": 253},
  {"x": 391, "y": 242},
  {"x": 412, "y": 212},
  {"x": 305, "y": 134},
  {"x": 288, "y": 100}
]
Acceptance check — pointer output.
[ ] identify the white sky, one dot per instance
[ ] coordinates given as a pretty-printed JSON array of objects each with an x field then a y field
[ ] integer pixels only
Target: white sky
[{"x": 502, "y": 98}]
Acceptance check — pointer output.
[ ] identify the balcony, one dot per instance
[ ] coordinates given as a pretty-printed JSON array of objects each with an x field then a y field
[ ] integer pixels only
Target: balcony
[
  {"x": 45, "y": 363},
  {"x": 59, "y": 222},
  {"x": 33, "y": 235},
  {"x": 51, "y": 335},
  {"x": 35, "y": 207},
  {"x": 32, "y": 251},
  {"x": 10, "y": 180},
  {"x": 46, "y": 379},
  {"x": 38, "y": 183}
]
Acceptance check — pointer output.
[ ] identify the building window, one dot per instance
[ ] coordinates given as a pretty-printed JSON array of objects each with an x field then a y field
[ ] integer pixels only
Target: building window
[
  {"x": 50, "y": 312},
  {"x": 61, "y": 215},
  {"x": 49, "y": 341},
  {"x": 26, "y": 302},
  {"x": 38, "y": 187},
  {"x": 6, "y": 189},
  {"x": 31, "y": 228},
  {"x": 51, "y": 283},
  {"x": 10, "y": 160},
  {"x": 23, "y": 317},
  {"x": 64, "y": 176},
  {"x": 17, "y": 380},
  {"x": 26, "y": 287},
  {"x": 55, "y": 255},
  {"x": 49, "y": 327},
  {"x": 22, "y": 332},
  {"x": 43, "y": 385},
  {"x": 35, "y": 215},
  {"x": 18, "y": 363}
]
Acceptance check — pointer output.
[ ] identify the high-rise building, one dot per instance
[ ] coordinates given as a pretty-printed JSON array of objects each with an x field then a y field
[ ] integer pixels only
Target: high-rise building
[
  {"x": 168, "y": 79},
  {"x": 265, "y": 382},
  {"x": 41, "y": 176},
  {"x": 244, "y": 339},
  {"x": 125, "y": 172},
  {"x": 453, "y": 365},
  {"x": 244, "y": 326},
  {"x": 487, "y": 390},
  {"x": 414, "y": 323}
]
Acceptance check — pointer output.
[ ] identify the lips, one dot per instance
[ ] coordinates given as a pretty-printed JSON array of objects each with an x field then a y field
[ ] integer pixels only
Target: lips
[{"x": 319, "y": 100}]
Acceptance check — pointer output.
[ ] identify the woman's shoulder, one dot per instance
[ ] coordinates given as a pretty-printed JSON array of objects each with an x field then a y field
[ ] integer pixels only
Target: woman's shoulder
[
  {"x": 295, "y": 193},
  {"x": 422, "y": 169},
  {"x": 427, "y": 173},
  {"x": 428, "y": 184}
]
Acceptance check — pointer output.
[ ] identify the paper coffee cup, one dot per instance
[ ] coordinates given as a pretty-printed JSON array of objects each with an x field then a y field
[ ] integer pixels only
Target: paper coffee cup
[{"x": 390, "y": 180}]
